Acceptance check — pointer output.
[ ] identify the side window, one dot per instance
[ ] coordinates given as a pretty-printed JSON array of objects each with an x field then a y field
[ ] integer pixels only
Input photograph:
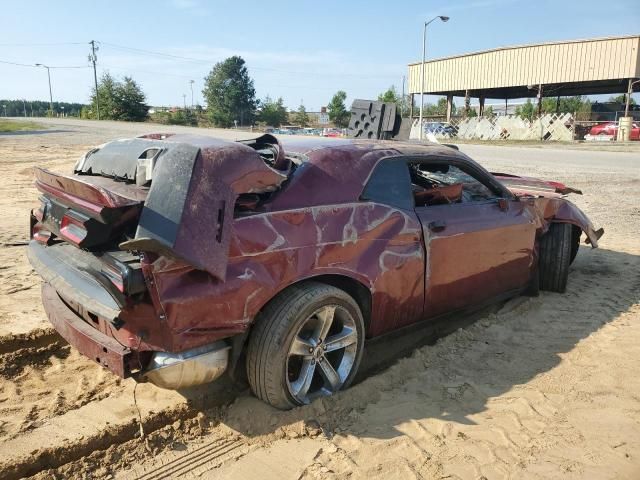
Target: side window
[
  {"x": 442, "y": 184},
  {"x": 390, "y": 184}
]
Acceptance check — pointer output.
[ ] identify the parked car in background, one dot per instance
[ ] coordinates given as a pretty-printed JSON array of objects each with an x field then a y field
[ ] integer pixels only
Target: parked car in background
[
  {"x": 611, "y": 128},
  {"x": 173, "y": 258}
]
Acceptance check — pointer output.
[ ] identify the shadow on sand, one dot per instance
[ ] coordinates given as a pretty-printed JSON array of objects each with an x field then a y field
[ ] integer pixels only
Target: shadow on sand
[
  {"x": 31, "y": 132},
  {"x": 456, "y": 376}
]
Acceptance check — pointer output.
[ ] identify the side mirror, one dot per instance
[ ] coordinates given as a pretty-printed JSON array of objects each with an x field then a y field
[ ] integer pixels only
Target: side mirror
[{"x": 503, "y": 204}]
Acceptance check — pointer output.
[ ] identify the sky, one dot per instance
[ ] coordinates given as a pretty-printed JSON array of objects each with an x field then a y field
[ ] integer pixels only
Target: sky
[{"x": 300, "y": 51}]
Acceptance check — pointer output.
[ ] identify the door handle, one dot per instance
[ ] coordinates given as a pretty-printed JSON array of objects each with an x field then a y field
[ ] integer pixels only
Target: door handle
[{"x": 437, "y": 225}]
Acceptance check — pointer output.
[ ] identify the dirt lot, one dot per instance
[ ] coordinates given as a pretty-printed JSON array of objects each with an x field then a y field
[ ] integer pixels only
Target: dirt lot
[{"x": 543, "y": 387}]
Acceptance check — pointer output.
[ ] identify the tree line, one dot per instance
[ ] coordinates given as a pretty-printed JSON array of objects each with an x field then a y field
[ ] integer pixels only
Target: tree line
[
  {"x": 37, "y": 108},
  {"x": 230, "y": 96}
]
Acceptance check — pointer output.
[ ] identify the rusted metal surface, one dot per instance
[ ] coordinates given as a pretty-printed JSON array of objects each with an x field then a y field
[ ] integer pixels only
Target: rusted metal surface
[
  {"x": 315, "y": 224},
  {"x": 85, "y": 338}
]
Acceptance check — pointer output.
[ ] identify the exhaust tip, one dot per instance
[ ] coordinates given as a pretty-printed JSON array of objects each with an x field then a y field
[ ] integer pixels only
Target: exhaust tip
[{"x": 197, "y": 366}]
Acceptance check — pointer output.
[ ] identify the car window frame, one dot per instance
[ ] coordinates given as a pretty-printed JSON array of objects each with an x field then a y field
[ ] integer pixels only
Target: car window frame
[{"x": 457, "y": 160}]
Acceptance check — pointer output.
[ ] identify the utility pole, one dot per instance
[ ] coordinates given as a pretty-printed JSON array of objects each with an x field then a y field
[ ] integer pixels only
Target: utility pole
[
  {"x": 93, "y": 59},
  {"x": 191, "y": 84},
  {"x": 24, "y": 106},
  {"x": 184, "y": 99},
  {"x": 50, "y": 94}
]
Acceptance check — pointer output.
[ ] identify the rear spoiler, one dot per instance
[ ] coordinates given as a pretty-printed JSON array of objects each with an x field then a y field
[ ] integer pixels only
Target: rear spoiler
[{"x": 82, "y": 194}]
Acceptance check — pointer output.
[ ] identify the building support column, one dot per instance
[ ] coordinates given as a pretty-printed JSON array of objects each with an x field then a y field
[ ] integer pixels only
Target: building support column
[
  {"x": 539, "y": 100},
  {"x": 481, "y": 109},
  {"x": 506, "y": 106},
  {"x": 411, "y": 105},
  {"x": 449, "y": 107},
  {"x": 628, "y": 98},
  {"x": 467, "y": 103},
  {"x": 558, "y": 105}
]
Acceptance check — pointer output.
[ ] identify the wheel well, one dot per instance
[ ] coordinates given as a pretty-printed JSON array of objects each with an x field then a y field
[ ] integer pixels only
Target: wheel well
[
  {"x": 354, "y": 288},
  {"x": 358, "y": 291}
]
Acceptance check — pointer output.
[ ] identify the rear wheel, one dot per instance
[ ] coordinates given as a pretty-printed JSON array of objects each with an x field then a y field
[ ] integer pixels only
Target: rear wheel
[
  {"x": 307, "y": 343},
  {"x": 555, "y": 257}
]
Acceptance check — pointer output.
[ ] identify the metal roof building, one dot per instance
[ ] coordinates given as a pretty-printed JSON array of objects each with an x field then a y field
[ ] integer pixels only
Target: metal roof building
[{"x": 578, "y": 67}]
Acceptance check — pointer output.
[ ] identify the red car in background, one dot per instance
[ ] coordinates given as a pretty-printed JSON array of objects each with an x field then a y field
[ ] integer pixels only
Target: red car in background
[{"x": 611, "y": 128}]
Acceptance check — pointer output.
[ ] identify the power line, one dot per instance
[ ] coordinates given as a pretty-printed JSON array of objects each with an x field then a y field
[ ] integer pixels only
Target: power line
[
  {"x": 40, "y": 44},
  {"x": 125, "y": 69},
  {"x": 34, "y": 66},
  {"x": 18, "y": 64},
  {"x": 159, "y": 54},
  {"x": 141, "y": 51}
]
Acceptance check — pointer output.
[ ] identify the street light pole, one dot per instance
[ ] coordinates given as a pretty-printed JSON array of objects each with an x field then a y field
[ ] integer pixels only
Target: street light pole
[
  {"x": 191, "y": 82},
  {"x": 50, "y": 94},
  {"x": 424, "y": 51},
  {"x": 628, "y": 99}
]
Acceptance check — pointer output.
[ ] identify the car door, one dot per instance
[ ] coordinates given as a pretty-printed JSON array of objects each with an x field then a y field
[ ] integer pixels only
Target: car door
[{"x": 478, "y": 241}]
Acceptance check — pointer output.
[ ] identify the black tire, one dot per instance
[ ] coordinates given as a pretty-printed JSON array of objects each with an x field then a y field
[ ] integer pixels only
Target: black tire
[
  {"x": 275, "y": 329},
  {"x": 555, "y": 257}
]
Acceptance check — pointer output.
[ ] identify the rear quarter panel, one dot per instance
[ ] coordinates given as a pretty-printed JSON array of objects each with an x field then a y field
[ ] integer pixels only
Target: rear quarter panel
[{"x": 376, "y": 245}]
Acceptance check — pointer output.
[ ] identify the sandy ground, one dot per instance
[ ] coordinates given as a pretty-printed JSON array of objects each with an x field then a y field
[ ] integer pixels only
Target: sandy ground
[{"x": 539, "y": 388}]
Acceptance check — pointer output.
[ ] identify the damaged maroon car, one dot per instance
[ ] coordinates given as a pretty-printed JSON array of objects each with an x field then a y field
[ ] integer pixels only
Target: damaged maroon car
[{"x": 177, "y": 258}]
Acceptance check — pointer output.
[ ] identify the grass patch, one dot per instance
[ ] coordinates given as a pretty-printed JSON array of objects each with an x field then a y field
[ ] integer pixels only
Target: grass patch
[{"x": 13, "y": 126}]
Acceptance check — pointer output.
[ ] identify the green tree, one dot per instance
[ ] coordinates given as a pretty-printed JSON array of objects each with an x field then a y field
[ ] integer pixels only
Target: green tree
[
  {"x": 38, "y": 108},
  {"x": 272, "y": 113},
  {"x": 337, "y": 111},
  {"x": 229, "y": 93},
  {"x": 622, "y": 98},
  {"x": 107, "y": 96},
  {"x": 130, "y": 103},
  {"x": 526, "y": 110},
  {"x": 488, "y": 112},
  {"x": 577, "y": 104},
  {"x": 390, "y": 96},
  {"x": 439, "y": 109},
  {"x": 302, "y": 117},
  {"x": 119, "y": 100}
]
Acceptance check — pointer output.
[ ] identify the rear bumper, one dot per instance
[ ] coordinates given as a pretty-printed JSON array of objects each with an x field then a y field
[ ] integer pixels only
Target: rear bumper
[
  {"x": 86, "y": 339},
  {"x": 73, "y": 286},
  {"x": 75, "y": 274}
]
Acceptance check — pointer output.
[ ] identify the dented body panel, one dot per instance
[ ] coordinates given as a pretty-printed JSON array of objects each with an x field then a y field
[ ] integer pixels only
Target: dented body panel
[{"x": 221, "y": 232}]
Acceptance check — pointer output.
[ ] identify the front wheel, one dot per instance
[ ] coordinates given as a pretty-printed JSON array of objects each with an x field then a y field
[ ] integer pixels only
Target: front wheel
[
  {"x": 555, "y": 257},
  {"x": 307, "y": 343}
]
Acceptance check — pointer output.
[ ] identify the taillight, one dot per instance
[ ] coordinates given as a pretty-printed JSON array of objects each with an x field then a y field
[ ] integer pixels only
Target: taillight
[
  {"x": 72, "y": 228},
  {"x": 124, "y": 271},
  {"x": 41, "y": 236}
]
